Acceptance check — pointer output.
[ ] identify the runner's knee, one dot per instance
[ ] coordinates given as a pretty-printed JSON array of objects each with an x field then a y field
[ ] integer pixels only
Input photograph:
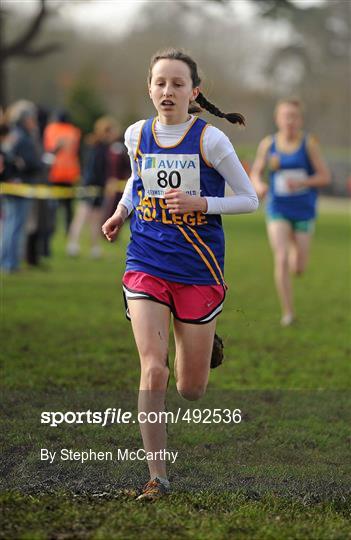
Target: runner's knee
[
  {"x": 191, "y": 393},
  {"x": 154, "y": 376}
]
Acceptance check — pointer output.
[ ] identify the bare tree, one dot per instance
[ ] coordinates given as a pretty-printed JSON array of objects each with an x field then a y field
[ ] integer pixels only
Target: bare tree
[{"x": 23, "y": 46}]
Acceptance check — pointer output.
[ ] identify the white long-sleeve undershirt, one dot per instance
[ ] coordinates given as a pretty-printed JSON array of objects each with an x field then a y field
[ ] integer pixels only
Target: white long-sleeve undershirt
[{"x": 218, "y": 151}]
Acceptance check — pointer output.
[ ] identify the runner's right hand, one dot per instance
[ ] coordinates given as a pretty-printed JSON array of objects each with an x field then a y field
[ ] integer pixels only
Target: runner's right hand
[{"x": 112, "y": 226}]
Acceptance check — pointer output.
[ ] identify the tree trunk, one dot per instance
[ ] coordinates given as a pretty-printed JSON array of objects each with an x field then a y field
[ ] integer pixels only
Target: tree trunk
[{"x": 3, "y": 100}]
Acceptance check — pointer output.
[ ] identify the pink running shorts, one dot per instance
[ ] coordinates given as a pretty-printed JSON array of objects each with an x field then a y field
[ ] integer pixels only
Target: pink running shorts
[{"x": 196, "y": 304}]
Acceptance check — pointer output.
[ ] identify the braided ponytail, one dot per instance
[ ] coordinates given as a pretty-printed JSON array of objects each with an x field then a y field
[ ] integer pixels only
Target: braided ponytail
[{"x": 233, "y": 118}]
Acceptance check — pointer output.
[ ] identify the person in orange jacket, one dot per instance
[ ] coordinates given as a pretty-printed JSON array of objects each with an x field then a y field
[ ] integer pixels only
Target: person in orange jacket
[{"x": 62, "y": 139}]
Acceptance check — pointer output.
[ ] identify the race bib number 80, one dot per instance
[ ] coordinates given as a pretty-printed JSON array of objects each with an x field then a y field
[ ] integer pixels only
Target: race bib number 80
[{"x": 161, "y": 172}]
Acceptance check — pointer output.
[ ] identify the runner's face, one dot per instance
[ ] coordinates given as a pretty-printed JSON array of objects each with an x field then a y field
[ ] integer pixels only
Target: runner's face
[
  {"x": 171, "y": 90},
  {"x": 288, "y": 119}
]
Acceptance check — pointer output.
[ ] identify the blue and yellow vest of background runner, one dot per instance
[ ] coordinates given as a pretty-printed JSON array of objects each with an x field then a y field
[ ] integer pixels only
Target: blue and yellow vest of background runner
[
  {"x": 185, "y": 248},
  {"x": 295, "y": 206}
]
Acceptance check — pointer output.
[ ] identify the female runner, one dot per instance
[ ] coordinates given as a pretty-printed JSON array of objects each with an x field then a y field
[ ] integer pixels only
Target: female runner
[
  {"x": 175, "y": 257},
  {"x": 296, "y": 169}
]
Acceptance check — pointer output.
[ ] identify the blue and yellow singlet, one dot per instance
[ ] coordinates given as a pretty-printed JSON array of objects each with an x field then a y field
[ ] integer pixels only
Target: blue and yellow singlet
[
  {"x": 185, "y": 248},
  {"x": 300, "y": 205}
]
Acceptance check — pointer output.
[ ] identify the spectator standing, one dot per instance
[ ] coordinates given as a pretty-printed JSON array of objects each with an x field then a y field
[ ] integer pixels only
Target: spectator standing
[
  {"x": 23, "y": 153},
  {"x": 89, "y": 209},
  {"x": 62, "y": 139}
]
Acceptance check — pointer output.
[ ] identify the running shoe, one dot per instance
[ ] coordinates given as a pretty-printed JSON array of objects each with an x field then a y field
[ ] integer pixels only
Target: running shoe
[
  {"x": 72, "y": 249},
  {"x": 217, "y": 352},
  {"x": 153, "y": 490},
  {"x": 287, "y": 320}
]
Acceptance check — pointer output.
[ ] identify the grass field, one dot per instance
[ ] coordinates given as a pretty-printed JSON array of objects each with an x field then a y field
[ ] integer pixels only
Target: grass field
[{"x": 282, "y": 473}]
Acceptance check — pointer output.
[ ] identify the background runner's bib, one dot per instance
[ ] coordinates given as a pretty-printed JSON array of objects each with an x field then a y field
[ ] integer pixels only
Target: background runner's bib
[
  {"x": 294, "y": 205},
  {"x": 159, "y": 173},
  {"x": 281, "y": 178}
]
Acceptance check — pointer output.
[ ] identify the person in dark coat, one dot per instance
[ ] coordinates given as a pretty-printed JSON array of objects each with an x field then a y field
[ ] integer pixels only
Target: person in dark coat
[{"x": 23, "y": 151}]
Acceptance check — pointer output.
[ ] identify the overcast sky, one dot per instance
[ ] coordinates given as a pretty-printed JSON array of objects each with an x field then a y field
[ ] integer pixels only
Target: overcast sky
[{"x": 115, "y": 16}]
